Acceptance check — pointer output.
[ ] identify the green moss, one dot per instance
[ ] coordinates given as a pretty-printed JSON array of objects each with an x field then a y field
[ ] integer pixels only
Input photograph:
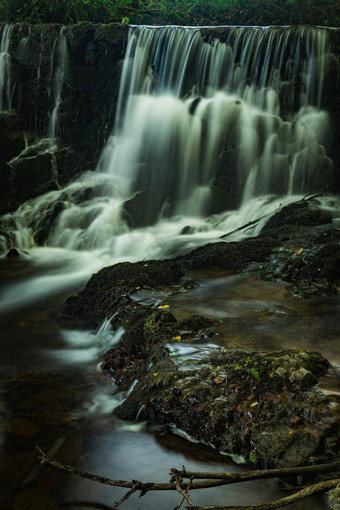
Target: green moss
[
  {"x": 150, "y": 323},
  {"x": 253, "y": 457}
]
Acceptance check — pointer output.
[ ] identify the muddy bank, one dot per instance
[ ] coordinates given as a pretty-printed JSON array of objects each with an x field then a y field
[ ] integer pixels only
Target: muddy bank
[{"x": 261, "y": 405}]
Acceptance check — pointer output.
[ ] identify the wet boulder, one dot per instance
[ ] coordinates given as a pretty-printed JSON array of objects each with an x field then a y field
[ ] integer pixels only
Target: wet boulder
[
  {"x": 262, "y": 406},
  {"x": 302, "y": 213}
]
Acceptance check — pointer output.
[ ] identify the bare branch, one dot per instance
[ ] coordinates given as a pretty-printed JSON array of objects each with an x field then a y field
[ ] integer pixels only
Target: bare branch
[
  {"x": 258, "y": 473},
  {"x": 216, "y": 479},
  {"x": 143, "y": 487},
  {"x": 298, "y": 496}
]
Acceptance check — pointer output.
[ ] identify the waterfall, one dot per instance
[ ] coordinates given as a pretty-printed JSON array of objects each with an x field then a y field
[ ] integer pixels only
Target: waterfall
[
  {"x": 213, "y": 129},
  {"x": 5, "y": 75},
  {"x": 59, "y": 66},
  {"x": 196, "y": 113}
]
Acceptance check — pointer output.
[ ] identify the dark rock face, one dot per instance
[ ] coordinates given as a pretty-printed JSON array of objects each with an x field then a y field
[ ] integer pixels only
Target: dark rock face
[
  {"x": 11, "y": 135},
  {"x": 86, "y": 112},
  {"x": 90, "y": 90},
  {"x": 32, "y": 176},
  {"x": 42, "y": 167}
]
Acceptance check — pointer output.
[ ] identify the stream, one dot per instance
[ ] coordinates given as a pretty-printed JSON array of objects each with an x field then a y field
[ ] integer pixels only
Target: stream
[{"x": 53, "y": 393}]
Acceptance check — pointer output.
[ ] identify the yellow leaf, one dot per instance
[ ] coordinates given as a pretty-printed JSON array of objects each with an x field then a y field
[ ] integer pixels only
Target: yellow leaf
[
  {"x": 254, "y": 404},
  {"x": 162, "y": 307},
  {"x": 178, "y": 338},
  {"x": 155, "y": 374}
]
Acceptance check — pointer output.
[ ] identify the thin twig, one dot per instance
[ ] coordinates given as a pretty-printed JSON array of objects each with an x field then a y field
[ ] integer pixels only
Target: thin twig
[
  {"x": 125, "y": 498},
  {"x": 243, "y": 226},
  {"x": 311, "y": 197},
  {"x": 298, "y": 496},
  {"x": 183, "y": 492}
]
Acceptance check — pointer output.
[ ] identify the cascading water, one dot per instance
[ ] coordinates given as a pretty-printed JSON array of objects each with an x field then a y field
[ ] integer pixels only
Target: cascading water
[
  {"x": 59, "y": 65},
  {"x": 5, "y": 76},
  {"x": 199, "y": 110},
  {"x": 209, "y": 134}
]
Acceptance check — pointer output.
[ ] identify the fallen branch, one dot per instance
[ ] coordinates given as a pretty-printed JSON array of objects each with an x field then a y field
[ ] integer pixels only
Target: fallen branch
[
  {"x": 298, "y": 496},
  {"x": 133, "y": 484},
  {"x": 211, "y": 480},
  {"x": 258, "y": 473},
  {"x": 244, "y": 226}
]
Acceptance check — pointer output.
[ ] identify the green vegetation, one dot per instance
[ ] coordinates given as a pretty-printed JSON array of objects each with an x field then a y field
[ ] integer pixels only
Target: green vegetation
[
  {"x": 253, "y": 457},
  {"x": 185, "y": 12},
  {"x": 250, "y": 370},
  {"x": 150, "y": 323}
]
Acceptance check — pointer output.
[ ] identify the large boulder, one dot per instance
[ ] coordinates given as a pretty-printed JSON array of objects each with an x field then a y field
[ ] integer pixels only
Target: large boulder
[{"x": 262, "y": 406}]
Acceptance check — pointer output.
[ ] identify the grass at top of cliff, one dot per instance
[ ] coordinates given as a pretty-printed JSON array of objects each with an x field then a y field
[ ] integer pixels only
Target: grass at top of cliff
[{"x": 181, "y": 12}]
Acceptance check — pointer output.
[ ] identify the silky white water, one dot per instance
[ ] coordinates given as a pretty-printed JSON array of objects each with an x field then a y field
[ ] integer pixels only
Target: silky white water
[
  {"x": 5, "y": 77},
  {"x": 209, "y": 135},
  {"x": 59, "y": 67}
]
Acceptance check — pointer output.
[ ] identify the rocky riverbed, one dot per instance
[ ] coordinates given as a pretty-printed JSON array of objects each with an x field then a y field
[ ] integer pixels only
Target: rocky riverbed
[{"x": 263, "y": 405}]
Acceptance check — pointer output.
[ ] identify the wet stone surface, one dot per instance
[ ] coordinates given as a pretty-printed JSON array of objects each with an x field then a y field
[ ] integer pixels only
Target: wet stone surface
[{"x": 262, "y": 405}]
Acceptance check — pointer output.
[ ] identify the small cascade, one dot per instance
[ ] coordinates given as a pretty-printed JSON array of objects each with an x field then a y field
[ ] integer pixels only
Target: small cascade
[
  {"x": 59, "y": 67},
  {"x": 5, "y": 65}
]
